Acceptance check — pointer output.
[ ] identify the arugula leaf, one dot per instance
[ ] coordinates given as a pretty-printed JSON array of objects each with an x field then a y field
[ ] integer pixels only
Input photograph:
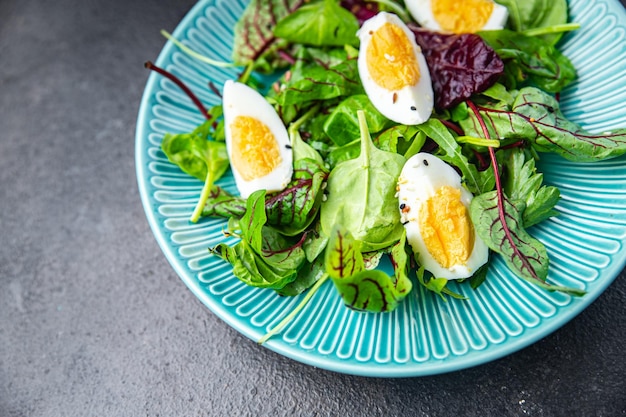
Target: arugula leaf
[
  {"x": 361, "y": 195},
  {"x": 530, "y": 59},
  {"x": 323, "y": 23},
  {"x": 360, "y": 288},
  {"x": 254, "y": 42},
  {"x": 204, "y": 159},
  {"x": 524, "y": 183}
]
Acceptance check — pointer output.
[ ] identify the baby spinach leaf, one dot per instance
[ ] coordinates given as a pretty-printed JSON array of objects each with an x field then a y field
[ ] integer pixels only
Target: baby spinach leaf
[
  {"x": 499, "y": 224},
  {"x": 251, "y": 269},
  {"x": 254, "y": 41},
  {"x": 360, "y": 288},
  {"x": 476, "y": 181},
  {"x": 532, "y": 14},
  {"x": 536, "y": 118},
  {"x": 536, "y": 61},
  {"x": 204, "y": 159},
  {"x": 342, "y": 125},
  {"x": 322, "y": 23},
  {"x": 308, "y": 275},
  {"x": 361, "y": 195},
  {"x": 460, "y": 65},
  {"x": 523, "y": 182}
]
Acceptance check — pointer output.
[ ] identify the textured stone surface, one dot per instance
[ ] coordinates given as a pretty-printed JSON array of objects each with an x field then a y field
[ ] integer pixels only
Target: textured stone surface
[{"x": 94, "y": 321}]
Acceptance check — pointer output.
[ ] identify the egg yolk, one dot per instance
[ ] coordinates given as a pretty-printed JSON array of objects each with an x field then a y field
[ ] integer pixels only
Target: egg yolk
[
  {"x": 255, "y": 151},
  {"x": 466, "y": 16},
  {"x": 391, "y": 60},
  {"x": 446, "y": 227}
]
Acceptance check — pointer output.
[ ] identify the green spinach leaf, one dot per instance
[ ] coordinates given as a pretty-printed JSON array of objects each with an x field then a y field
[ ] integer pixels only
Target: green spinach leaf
[
  {"x": 476, "y": 181},
  {"x": 532, "y": 14},
  {"x": 321, "y": 23},
  {"x": 524, "y": 183},
  {"x": 530, "y": 59},
  {"x": 198, "y": 156},
  {"x": 361, "y": 195}
]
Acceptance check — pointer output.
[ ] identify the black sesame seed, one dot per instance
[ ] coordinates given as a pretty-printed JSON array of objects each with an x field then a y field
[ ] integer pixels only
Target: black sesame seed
[
  {"x": 426, "y": 162},
  {"x": 288, "y": 146},
  {"x": 413, "y": 108},
  {"x": 402, "y": 206},
  {"x": 404, "y": 223}
]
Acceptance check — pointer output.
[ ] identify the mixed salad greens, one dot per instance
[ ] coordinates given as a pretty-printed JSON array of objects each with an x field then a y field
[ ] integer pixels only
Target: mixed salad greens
[{"x": 496, "y": 110}]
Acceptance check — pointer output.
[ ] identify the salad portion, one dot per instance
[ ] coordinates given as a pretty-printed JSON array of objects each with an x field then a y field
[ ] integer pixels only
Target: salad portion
[{"x": 405, "y": 134}]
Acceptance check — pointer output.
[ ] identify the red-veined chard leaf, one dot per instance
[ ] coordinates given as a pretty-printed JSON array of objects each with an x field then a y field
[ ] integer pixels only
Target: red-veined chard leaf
[
  {"x": 254, "y": 41},
  {"x": 253, "y": 220},
  {"x": 263, "y": 257},
  {"x": 460, "y": 65},
  {"x": 361, "y": 289},
  {"x": 499, "y": 224},
  {"x": 293, "y": 209},
  {"x": 223, "y": 204},
  {"x": 321, "y": 82},
  {"x": 536, "y": 118}
]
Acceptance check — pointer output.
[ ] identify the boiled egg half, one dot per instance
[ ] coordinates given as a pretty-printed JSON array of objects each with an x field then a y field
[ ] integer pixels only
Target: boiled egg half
[
  {"x": 393, "y": 70},
  {"x": 455, "y": 16},
  {"x": 257, "y": 141},
  {"x": 434, "y": 208}
]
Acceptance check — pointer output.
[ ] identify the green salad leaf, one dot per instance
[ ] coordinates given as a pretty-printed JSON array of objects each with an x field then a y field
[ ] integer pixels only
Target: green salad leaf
[
  {"x": 360, "y": 288},
  {"x": 361, "y": 195},
  {"x": 198, "y": 156},
  {"x": 529, "y": 59},
  {"x": 320, "y": 23}
]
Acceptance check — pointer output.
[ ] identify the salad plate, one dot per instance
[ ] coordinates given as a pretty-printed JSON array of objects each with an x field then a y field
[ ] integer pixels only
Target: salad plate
[{"x": 426, "y": 334}]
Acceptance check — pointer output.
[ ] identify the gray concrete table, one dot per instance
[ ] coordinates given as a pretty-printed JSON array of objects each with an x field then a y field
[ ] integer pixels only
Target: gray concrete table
[{"x": 94, "y": 321}]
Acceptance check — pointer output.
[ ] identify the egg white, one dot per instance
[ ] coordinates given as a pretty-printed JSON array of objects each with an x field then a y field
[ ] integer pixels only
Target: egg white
[
  {"x": 410, "y": 105},
  {"x": 241, "y": 100},
  {"x": 420, "y": 178},
  {"x": 421, "y": 10}
]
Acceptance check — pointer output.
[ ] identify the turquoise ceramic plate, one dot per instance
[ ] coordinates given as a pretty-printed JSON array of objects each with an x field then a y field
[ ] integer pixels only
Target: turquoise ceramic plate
[{"x": 425, "y": 335}]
